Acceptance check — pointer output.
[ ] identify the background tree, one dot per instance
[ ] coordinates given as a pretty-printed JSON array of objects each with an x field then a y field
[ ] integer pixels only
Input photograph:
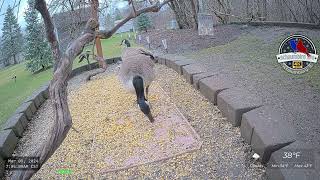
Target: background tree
[
  {"x": 37, "y": 54},
  {"x": 11, "y": 41},
  {"x": 186, "y": 13},
  {"x": 143, "y": 22},
  {"x": 3, "y": 61},
  {"x": 227, "y": 11},
  {"x": 118, "y": 15}
]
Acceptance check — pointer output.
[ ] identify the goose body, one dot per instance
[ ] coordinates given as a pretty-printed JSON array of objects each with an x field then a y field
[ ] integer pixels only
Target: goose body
[
  {"x": 136, "y": 61},
  {"x": 137, "y": 73}
]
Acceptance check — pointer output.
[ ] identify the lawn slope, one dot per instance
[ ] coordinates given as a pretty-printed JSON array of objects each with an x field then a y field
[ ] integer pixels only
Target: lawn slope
[{"x": 12, "y": 93}]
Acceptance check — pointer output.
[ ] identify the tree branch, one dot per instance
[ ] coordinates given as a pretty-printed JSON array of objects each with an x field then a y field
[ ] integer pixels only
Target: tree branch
[
  {"x": 154, "y": 8},
  {"x": 58, "y": 87},
  {"x": 133, "y": 8},
  {"x": 41, "y": 6}
]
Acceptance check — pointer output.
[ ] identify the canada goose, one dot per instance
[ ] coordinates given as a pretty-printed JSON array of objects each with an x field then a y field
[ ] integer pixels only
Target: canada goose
[
  {"x": 125, "y": 42},
  {"x": 136, "y": 72}
]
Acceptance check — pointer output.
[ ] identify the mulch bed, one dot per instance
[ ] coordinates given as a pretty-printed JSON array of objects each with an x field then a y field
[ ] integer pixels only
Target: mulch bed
[{"x": 186, "y": 40}]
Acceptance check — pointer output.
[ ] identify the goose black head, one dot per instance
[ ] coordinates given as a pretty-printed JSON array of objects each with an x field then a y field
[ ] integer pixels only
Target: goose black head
[
  {"x": 145, "y": 108},
  {"x": 141, "y": 100},
  {"x": 125, "y": 42}
]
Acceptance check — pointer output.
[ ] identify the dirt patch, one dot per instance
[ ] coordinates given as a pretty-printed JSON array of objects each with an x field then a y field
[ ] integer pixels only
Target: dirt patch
[{"x": 186, "y": 40}]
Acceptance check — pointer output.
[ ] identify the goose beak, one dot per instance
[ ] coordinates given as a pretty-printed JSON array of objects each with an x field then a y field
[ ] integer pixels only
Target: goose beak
[{"x": 150, "y": 117}]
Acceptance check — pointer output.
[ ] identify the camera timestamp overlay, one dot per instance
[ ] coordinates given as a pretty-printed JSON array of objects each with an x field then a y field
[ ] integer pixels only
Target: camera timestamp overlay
[
  {"x": 293, "y": 159},
  {"x": 23, "y": 163}
]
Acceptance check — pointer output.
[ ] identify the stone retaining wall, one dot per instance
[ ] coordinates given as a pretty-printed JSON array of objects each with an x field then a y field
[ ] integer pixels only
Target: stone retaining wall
[
  {"x": 13, "y": 129},
  {"x": 261, "y": 126}
]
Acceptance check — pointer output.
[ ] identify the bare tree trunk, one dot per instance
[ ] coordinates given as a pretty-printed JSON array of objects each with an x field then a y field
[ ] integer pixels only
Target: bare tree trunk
[
  {"x": 182, "y": 9},
  {"x": 280, "y": 5},
  {"x": 313, "y": 18},
  {"x": 291, "y": 11},
  {"x": 258, "y": 4},
  {"x": 247, "y": 9},
  {"x": 264, "y": 14},
  {"x": 15, "y": 59},
  {"x": 180, "y": 15},
  {"x": 227, "y": 9},
  {"x": 275, "y": 10},
  {"x": 194, "y": 14},
  {"x": 223, "y": 10}
]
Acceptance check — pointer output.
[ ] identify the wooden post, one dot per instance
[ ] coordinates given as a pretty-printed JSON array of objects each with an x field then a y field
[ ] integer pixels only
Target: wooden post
[
  {"x": 94, "y": 12},
  {"x": 99, "y": 49}
]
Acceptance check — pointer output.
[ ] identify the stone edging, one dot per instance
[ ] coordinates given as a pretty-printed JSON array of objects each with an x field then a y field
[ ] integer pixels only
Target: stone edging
[
  {"x": 262, "y": 127},
  {"x": 13, "y": 129},
  {"x": 279, "y": 23}
]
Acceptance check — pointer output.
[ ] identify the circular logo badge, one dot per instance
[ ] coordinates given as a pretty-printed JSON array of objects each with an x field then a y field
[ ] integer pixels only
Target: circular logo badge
[{"x": 297, "y": 54}]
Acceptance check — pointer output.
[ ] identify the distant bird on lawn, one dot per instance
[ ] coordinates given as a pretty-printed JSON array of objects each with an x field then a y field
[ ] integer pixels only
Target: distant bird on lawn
[
  {"x": 15, "y": 78},
  {"x": 126, "y": 43},
  {"x": 137, "y": 72},
  {"x": 301, "y": 48}
]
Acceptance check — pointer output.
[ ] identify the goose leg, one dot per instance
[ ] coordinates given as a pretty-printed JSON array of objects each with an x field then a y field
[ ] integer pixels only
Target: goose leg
[{"x": 147, "y": 92}]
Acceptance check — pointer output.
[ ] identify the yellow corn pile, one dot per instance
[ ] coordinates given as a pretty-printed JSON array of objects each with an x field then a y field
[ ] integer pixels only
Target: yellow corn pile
[{"x": 114, "y": 133}]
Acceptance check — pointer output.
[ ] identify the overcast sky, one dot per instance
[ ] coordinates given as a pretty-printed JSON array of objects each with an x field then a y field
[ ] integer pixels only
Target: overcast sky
[
  {"x": 22, "y": 8},
  {"x": 24, "y": 5}
]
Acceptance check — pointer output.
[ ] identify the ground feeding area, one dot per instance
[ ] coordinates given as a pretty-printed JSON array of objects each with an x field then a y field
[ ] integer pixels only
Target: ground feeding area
[
  {"x": 190, "y": 138},
  {"x": 113, "y": 134}
]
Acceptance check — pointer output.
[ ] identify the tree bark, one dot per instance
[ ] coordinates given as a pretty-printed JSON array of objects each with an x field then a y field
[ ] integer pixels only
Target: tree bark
[
  {"x": 247, "y": 8},
  {"x": 180, "y": 10},
  {"x": 194, "y": 14},
  {"x": 291, "y": 11},
  {"x": 264, "y": 5},
  {"x": 58, "y": 87},
  {"x": 154, "y": 8},
  {"x": 15, "y": 59}
]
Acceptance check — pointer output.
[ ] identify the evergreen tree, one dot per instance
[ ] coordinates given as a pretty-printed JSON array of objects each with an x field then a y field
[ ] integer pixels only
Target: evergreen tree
[
  {"x": 118, "y": 14},
  {"x": 37, "y": 54},
  {"x": 143, "y": 22},
  {"x": 3, "y": 61},
  {"x": 11, "y": 41}
]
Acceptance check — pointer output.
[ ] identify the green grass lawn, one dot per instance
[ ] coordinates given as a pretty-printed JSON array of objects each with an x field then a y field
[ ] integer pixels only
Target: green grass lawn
[
  {"x": 112, "y": 48},
  {"x": 12, "y": 94}
]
